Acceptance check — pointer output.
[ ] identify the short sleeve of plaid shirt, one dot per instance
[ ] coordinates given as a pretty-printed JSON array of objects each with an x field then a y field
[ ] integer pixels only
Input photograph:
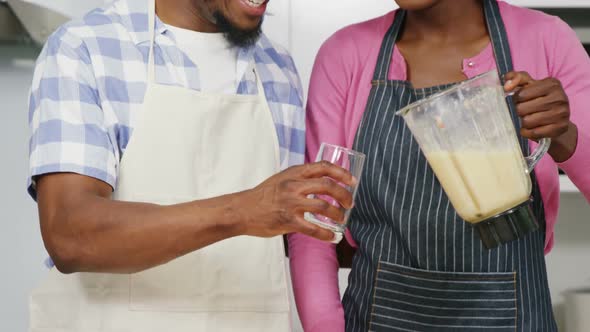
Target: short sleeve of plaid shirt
[{"x": 65, "y": 116}]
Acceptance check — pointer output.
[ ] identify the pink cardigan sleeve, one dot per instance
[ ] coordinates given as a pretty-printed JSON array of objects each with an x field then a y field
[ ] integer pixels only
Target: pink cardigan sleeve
[
  {"x": 571, "y": 65},
  {"x": 314, "y": 264},
  {"x": 314, "y": 271}
]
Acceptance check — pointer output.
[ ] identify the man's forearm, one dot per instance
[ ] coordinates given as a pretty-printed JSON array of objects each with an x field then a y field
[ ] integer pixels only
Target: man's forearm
[{"x": 96, "y": 234}]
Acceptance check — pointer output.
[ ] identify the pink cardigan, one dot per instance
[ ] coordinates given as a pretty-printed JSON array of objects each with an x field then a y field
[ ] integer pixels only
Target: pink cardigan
[{"x": 542, "y": 45}]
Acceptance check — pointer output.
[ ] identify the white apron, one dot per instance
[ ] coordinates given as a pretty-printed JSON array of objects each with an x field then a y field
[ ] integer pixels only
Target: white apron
[{"x": 187, "y": 145}]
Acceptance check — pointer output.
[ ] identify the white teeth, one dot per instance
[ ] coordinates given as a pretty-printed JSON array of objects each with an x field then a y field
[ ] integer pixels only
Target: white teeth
[{"x": 254, "y": 3}]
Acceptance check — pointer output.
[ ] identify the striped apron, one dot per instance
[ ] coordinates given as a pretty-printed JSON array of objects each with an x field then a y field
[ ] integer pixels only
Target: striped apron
[{"x": 419, "y": 266}]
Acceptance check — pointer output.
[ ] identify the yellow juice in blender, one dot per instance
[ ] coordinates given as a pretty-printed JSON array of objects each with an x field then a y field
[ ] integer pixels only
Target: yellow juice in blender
[{"x": 481, "y": 184}]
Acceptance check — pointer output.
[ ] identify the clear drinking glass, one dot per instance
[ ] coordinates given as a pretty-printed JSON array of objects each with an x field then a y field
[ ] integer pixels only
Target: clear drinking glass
[{"x": 350, "y": 160}]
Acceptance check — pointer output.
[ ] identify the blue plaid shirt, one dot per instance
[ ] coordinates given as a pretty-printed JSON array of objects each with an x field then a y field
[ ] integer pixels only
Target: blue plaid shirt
[{"x": 90, "y": 82}]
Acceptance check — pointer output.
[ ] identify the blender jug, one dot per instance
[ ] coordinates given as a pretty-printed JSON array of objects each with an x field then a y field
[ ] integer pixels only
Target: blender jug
[{"x": 470, "y": 142}]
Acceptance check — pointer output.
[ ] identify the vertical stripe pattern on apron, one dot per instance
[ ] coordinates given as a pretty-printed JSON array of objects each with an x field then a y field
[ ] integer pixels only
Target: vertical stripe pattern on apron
[{"x": 419, "y": 266}]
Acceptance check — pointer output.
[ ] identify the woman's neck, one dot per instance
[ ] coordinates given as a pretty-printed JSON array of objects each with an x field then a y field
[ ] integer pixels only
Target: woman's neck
[{"x": 446, "y": 21}]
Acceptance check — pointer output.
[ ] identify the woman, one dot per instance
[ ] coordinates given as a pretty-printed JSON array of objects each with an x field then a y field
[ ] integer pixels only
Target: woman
[{"x": 418, "y": 266}]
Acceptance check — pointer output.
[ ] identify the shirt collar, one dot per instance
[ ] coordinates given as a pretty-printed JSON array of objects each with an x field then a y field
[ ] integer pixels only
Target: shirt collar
[{"x": 134, "y": 16}]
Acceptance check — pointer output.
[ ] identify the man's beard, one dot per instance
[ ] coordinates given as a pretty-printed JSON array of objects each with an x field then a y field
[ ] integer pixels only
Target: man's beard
[{"x": 234, "y": 35}]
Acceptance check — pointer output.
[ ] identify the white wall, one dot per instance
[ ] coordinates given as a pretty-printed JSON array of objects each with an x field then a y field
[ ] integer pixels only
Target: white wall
[
  {"x": 568, "y": 264},
  {"x": 21, "y": 249}
]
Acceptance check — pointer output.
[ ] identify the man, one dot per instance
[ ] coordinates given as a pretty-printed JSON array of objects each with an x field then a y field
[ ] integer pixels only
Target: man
[{"x": 157, "y": 181}]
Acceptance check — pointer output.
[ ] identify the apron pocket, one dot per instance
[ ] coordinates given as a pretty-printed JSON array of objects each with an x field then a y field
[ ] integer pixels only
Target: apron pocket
[{"x": 408, "y": 299}]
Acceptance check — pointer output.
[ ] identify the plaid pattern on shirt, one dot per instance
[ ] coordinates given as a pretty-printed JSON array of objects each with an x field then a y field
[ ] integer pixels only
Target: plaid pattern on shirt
[{"x": 90, "y": 81}]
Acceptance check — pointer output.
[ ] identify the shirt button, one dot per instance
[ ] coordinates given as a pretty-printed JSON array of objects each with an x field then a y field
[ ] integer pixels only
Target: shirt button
[{"x": 470, "y": 64}]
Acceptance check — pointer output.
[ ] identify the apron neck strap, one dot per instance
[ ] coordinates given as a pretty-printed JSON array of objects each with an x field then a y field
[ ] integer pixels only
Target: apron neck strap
[
  {"x": 498, "y": 36},
  {"x": 501, "y": 47},
  {"x": 152, "y": 34},
  {"x": 259, "y": 85},
  {"x": 386, "y": 53},
  {"x": 496, "y": 30}
]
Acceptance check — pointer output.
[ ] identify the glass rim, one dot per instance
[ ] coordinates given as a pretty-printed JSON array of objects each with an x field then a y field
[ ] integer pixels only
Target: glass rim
[
  {"x": 346, "y": 150},
  {"x": 404, "y": 111}
]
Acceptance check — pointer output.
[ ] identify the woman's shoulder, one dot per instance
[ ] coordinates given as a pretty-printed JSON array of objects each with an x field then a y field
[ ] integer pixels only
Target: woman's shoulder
[
  {"x": 369, "y": 28},
  {"x": 528, "y": 22},
  {"x": 359, "y": 39},
  {"x": 539, "y": 40}
]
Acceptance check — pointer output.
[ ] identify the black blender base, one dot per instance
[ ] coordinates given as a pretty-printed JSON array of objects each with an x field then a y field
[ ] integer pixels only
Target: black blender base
[{"x": 508, "y": 226}]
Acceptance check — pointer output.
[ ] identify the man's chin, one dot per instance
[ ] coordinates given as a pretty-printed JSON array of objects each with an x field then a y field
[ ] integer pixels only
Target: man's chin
[
  {"x": 243, "y": 38},
  {"x": 235, "y": 35}
]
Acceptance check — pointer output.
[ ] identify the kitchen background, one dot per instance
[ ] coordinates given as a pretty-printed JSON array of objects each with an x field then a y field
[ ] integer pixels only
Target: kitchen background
[{"x": 301, "y": 26}]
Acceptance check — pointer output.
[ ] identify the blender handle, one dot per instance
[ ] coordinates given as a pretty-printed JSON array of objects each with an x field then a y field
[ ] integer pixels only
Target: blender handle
[{"x": 539, "y": 152}]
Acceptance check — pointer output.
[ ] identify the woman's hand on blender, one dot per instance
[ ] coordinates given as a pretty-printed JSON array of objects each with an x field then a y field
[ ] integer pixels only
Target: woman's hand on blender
[{"x": 543, "y": 106}]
